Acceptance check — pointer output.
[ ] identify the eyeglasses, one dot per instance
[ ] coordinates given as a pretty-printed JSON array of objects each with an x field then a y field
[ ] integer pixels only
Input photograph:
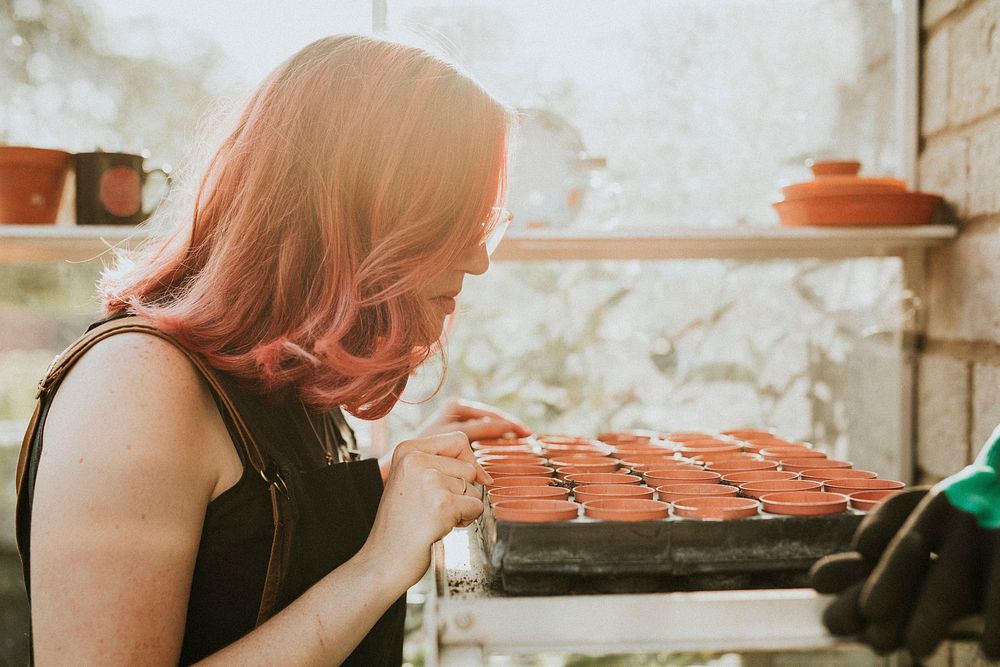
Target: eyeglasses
[{"x": 493, "y": 240}]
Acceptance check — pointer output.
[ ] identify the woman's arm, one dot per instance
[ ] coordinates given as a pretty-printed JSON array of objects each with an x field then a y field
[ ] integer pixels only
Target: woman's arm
[{"x": 134, "y": 451}]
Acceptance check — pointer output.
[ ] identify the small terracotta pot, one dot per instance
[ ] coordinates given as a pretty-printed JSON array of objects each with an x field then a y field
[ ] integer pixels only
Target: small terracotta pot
[
  {"x": 590, "y": 449},
  {"x": 758, "y": 489},
  {"x": 535, "y": 511},
  {"x": 749, "y": 433},
  {"x": 619, "y": 437},
  {"x": 602, "y": 478},
  {"x": 868, "y": 500},
  {"x": 823, "y": 474},
  {"x": 527, "y": 493},
  {"x": 528, "y": 480},
  {"x": 709, "y": 446},
  {"x": 31, "y": 184},
  {"x": 581, "y": 459},
  {"x": 724, "y": 508},
  {"x": 502, "y": 442},
  {"x": 687, "y": 436},
  {"x": 849, "y": 486},
  {"x": 561, "y": 439},
  {"x": 798, "y": 465},
  {"x": 661, "y": 477},
  {"x": 671, "y": 492},
  {"x": 626, "y": 509},
  {"x": 726, "y": 467},
  {"x": 804, "y": 503},
  {"x": 578, "y": 468},
  {"x": 757, "y": 444},
  {"x": 623, "y": 452},
  {"x": 513, "y": 450},
  {"x": 511, "y": 459},
  {"x": 665, "y": 457},
  {"x": 599, "y": 491},
  {"x": 719, "y": 457},
  {"x": 778, "y": 453},
  {"x": 518, "y": 470},
  {"x": 738, "y": 478}
]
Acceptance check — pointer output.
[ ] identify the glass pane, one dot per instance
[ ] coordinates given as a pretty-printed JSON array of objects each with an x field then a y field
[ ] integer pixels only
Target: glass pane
[{"x": 700, "y": 109}]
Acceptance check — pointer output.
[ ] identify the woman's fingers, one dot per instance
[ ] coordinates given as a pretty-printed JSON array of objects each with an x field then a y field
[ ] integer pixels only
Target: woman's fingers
[
  {"x": 464, "y": 410},
  {"x": 453, "y": 445}
]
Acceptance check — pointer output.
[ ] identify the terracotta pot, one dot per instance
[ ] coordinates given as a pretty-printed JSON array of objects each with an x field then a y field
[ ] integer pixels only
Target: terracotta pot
[
  {"x": 527, "y": 493},
  {"x": 502, "y": 442},
  {"x": 511, "y": 459},
  {"x": 823, "y": 474},
  {"x": 719, "y": 457},
  {"x": 868, "y": 500},
  {"x": 671, "y": 492},
  {"x": 804, "y": 503},
  {"x": 626, "y": 509},
  {"x": 561, "y": 439},
  {"x": 671, "y": 464},
  {"x": 587, "y": 492},
  {"x": 758, "y": 489},
  {"x": 757, "y": 444},
  {"x": 618, "y": 437},
  {"x": 535, "y": 511},
  {"x": 602, "y": 478},
  {"x": 514, "y": 450},
  {"x": 726, "y": 467},
  {"x": 528, "y": 480},
  {"x": 31, "y": 184},
  {"x": 582, "y": 459},
  {"x": 711, "y": 444},
  {"x": 724, "y": 508},
  {"x": 661, "y": 477},
  {"x": 798, "y": 465},
  {"x": 757, "y": 476},
  {"x": 516, "y": 470},
  {"x": 588, "y": 449},
  {"x": 788, "y": 452},
  {"x": 685, "y": 436},
  {"x": 849, "y": 486},
  {"x": 577, "y": 468},
  {"x": 749, "y": 433},
  {"x": 621, "y": 452}
]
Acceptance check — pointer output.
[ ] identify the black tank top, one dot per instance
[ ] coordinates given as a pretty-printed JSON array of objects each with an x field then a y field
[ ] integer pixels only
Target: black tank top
[{"x": 334, "y": 499}]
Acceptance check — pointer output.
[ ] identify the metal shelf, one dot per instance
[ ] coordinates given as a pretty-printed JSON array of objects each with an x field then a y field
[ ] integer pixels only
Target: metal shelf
[{"x": 35, "y": 244}]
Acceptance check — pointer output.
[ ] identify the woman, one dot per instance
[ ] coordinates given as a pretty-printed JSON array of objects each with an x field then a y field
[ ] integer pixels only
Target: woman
[{"x": 331, "y": 234}]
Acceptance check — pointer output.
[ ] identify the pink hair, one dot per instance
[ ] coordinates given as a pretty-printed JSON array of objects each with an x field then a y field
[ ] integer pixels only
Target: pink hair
[{"x": 358, "y": 170}]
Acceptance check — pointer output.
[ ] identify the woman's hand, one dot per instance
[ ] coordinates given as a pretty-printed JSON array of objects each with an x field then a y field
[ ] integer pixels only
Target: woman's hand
[
  {"x": 430, "y": 489},
  {"x": 478, "y": 421}
]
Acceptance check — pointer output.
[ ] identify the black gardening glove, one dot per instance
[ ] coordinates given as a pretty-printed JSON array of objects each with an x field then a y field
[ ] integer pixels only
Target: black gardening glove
[{"x": 941, "y": 562}]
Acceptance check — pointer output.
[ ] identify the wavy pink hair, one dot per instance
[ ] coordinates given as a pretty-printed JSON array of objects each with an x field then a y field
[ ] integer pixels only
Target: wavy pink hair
[{"x": 358, "y": 170}]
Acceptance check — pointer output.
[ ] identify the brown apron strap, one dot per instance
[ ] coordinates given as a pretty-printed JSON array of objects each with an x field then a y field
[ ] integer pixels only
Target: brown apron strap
[{"x": 280, "y": 505}]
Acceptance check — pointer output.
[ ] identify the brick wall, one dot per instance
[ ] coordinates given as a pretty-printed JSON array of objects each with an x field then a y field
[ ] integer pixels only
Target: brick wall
[
  {"x": 959, "y": 375},
  {"x": 958, "y": 393}
]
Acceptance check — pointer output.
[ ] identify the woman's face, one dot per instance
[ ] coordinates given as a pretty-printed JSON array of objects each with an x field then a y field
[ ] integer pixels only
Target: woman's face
[{"x": 444, "y": 287}]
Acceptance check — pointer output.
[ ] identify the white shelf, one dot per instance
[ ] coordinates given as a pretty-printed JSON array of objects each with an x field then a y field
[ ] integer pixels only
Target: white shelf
[{"x": 32, "y": 244}]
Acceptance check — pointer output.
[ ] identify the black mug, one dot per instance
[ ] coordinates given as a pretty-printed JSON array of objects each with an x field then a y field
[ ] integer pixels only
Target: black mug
[{"x": 109, "y": 188}]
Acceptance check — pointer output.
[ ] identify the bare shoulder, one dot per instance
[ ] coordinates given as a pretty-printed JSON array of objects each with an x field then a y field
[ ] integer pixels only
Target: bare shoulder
[{"x": 137, "y": 395}]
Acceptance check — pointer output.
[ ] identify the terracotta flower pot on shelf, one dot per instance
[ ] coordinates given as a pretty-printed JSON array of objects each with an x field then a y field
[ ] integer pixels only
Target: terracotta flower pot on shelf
[
  {"x": 849, "y": 486},
  {"x": 804, "y": 503},
  {"x": 600, "y": 491},
  {"x": 720, "y": 457},
  {"x": 602, "y": 478},
  {"x": 685, "y": 436},
  {"x": 823, "y": 474},
  {"x": 527, "y": 493},
  {"x": 618, "y": 437},
  {"x": 31, "y": 184},
  {"x": 715, "y": 508},
  {"x": 527, "y": 480},
  {"x": 661, "y": 477},
  {"x": 626, "y": 509},
  {"x": 671, "y": 492},
  {"x": 726, "y": 467},
  {"x": 758, "y": 489},
  {"x": 738, "y": 478},
  {"x": 502, "y": 442},
  {"x": 798, "y": 465},
  {"x": 869, "y": 500},
  {"x": 693, "y": 448},
  {"x": 515, "y": 450},
  {"x": 535, "y": 511},
  {"x": 587, "y": 449},
  {"x": 512, "y": 470},
  {"x": 563, "y": 460}
]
